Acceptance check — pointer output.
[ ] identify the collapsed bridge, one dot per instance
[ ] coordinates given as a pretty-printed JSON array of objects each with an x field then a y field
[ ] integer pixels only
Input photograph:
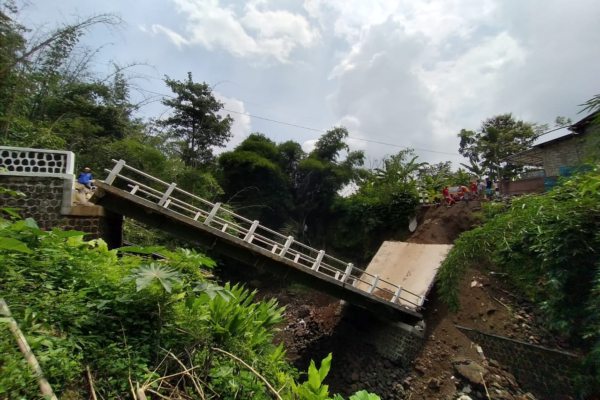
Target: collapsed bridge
[{"x": 137, "y": 195}]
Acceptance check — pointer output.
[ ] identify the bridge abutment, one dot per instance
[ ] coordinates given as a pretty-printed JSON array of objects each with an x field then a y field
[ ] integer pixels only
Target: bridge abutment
[
  {"x": 48, "y": 200},
  {"x": 396, "y": 341}
]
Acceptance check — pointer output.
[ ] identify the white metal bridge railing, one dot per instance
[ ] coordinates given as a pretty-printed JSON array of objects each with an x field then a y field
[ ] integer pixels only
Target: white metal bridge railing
[{"x": 216, "y": 216}]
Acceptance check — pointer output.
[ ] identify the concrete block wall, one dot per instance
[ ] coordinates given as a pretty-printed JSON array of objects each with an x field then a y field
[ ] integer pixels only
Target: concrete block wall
[
  {"x": 531, "y": 185},
  {"x": 44, "y": 201},
  {"x": 394, "y": 340},
  {"x": 545, "y": 372},
  {"x": 397, "y": 341},
  {"x": 565, "y": 153}
]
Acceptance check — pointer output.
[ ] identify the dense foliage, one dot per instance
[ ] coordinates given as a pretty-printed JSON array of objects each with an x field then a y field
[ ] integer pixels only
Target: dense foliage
[
  {"x": 159, "y": 326},
  {"x": 498, "y": 137},
  {"x": 548, "y": 246}
]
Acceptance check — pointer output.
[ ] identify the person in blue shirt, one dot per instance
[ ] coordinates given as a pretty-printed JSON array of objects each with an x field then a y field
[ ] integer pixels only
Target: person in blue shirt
[{"x": 85, "y": 178}]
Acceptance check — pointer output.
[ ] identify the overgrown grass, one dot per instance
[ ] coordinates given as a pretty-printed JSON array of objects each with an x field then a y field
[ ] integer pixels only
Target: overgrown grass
[{"x": 549, "y": 247}]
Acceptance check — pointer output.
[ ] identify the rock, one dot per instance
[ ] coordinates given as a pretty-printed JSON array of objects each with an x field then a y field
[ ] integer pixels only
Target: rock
[
  {"x": 471, "y": 371},
  {"x": 420, "y": 369},
  {"x": 303, "y": 311},
  {"x": 464, "y": 397},
  {"x": 480, "y": 351},
  {"x": 434, "y": 384},
  {"x": 399, "y": 390}
]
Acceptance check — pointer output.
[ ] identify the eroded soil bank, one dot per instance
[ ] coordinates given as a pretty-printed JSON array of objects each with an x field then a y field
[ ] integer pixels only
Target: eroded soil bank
[{"x": 449, "y": 366}]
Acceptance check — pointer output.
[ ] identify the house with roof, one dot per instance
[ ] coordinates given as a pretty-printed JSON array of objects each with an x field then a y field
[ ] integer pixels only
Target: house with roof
[{"x": 553, "y": 158}]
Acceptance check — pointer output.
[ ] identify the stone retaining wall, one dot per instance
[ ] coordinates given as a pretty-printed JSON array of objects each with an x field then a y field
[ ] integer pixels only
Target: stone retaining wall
[
  {"x": 545, "y": 372},
  {"x": 44, "y": 201},
  {"x": 396, "y": 341}
]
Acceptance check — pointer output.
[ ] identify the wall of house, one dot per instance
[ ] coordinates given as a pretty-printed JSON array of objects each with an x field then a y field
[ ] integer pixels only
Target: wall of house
[
  {"x": 566, "y": 153},
  {"x": 531, "y": 185}
]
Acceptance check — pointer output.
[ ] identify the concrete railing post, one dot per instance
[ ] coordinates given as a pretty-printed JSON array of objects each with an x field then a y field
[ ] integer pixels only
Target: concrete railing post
[
  {"x": 250, "y": 233},
  {"x": 318, "y": 260},
  {"x": 397, "y": 294},
  {"x": 286, "y": 246},
  {"x": 212, "y": 214},
  {"x": 114, "y": 172},
  {"x": 167, "y": 194},
  {"x": 374, "y": 284},
  {"x": 348, "y": 272}
]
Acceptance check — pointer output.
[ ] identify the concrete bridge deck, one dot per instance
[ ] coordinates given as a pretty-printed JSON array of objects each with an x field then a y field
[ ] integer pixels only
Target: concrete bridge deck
[{"x": 134, "y": 194}]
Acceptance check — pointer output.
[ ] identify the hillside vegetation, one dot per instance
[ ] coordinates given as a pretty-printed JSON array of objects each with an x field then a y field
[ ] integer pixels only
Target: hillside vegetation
[
  {"x": 548, "y": 247},
  {"x": 117, "y": 322}
]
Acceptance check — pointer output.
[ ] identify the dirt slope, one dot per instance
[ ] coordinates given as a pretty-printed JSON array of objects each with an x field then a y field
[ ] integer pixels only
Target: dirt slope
[
  {"x": 485, "y": 305},
  {"x": 314, "y": 327}
]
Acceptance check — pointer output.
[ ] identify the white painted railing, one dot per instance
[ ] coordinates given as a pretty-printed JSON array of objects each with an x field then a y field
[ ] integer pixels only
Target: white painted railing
[
  {"x": 218, "y": 216},
  {"x": 22, "y": 161}
]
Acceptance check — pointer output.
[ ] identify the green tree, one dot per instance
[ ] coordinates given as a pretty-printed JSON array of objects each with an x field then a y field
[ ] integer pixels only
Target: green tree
[
  {"x": 254, "y": 181},
  {"x": 498, "y": 138},
  {"x": 379, "y": 210},
  {"x": 320, "y": 177},
  {"x": 195, "y": 126}
]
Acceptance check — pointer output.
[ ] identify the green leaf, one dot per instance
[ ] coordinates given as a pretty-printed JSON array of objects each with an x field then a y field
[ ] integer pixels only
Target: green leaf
[
  {"x": 12, "y": 212},
  {"x": 30, "y": 223},
  {"x": 364, "y": 395},
  {"x": 67, "y": 234},
  {"x": 325, "y": 366},
  {"x": 213, "y": 290},
  {"x": 142, "y": 249},
  {"x": 314, "y": 378},
  {"x": 14, "y": 245},
  {"x": 145, "y": 275}
]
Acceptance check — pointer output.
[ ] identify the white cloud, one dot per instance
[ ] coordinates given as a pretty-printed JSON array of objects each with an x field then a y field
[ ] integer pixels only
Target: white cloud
[
  {"x": 174, "y": 37},
  {"x": 255, "y": 32},
  {"x": 242, "y": 125},
  {"x": 309, "y": 145},
  {"x": 464, "y": 87}
]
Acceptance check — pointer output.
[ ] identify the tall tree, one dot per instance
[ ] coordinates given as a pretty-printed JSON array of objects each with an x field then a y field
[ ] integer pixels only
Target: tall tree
[
  {"x": 254, "y": 181},
  {"x": 195, "y": 125},
  {"x": 321, "y": 175},
  {"x": 498, "y": 138}
]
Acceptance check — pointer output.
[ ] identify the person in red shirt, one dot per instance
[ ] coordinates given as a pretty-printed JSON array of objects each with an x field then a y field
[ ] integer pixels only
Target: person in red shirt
[
  {"x": 447, "y": 197},
  {"x": 474, "y": 193}
]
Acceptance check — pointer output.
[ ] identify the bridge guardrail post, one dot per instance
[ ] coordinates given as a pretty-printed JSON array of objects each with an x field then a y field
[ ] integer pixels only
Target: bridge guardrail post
[
  {"x": 286, "y": 246},
  {"x": 250, "y": 233},
  {"x": 114, "y": 172},
  {"x": 167, "y": 194},
  {"x": 212, "y": 214},
  {"x": 397, "y": 294},
  {"x": 347, "y": 272},
  {"x": 318, "y": 260},
  {"x": 374, "y": 284}
]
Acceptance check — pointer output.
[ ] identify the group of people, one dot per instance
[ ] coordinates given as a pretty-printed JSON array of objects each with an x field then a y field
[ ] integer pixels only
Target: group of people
[{"x": 477, "y": 190}]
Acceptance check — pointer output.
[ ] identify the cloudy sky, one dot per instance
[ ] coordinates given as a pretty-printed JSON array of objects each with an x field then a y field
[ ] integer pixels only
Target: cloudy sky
[{"x": 402, "y": 73}]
